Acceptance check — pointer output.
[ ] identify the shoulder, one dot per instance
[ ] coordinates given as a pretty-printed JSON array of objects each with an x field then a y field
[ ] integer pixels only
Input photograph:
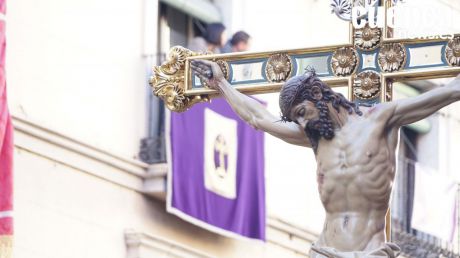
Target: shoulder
[{"x": 382, "y": 111}]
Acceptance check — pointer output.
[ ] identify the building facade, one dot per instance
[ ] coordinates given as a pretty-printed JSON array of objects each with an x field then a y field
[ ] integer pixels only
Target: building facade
[{"x": 90, "y": 173}]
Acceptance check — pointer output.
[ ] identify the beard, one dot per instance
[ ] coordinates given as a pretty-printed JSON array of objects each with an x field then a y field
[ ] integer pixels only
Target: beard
[{"x": 320, "y": 127}]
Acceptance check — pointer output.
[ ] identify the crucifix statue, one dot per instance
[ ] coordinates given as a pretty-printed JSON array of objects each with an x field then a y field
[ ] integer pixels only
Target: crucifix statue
[{"x": 354, "y": 139}]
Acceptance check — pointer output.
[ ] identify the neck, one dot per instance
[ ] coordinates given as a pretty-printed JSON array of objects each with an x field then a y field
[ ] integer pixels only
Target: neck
[{"x": 339, "y": 119}]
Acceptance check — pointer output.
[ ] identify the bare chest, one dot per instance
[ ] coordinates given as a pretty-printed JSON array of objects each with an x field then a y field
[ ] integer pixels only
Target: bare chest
[
  {"x": 351, "y": 148},
  {"x": 355, "y": 167}
]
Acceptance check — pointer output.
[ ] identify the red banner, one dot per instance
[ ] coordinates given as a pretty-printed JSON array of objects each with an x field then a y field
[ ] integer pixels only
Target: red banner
[{"x": 6, "y": 152}]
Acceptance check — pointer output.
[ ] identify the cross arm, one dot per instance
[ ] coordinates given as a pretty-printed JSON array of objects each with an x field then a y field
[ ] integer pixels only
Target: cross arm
[{"x": 250, "y": 73}]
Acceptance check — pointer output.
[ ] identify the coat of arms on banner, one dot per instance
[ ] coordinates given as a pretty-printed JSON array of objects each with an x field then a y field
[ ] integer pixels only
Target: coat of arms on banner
[{"x": 220, "y": 153}]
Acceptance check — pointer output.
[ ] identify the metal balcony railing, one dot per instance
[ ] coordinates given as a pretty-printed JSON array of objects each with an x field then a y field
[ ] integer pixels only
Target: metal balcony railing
[
  {"x": 419, "y": 246},
  {"x": 415, "y": 243}
]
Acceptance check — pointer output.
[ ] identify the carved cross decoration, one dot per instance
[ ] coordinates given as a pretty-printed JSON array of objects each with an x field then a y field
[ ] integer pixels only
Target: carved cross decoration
[{"x": 369, "y": 65}]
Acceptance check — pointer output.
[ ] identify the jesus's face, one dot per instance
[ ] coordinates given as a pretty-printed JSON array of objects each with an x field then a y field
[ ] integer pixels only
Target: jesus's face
[
  {"x": 304, "y": 112},
  {"x": 315, "y": 119}
]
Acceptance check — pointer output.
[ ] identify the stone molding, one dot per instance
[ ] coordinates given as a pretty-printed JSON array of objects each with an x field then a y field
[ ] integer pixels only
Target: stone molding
[
  {"x": 143, "y": 245},
  {"x": 33, "y": 138}
]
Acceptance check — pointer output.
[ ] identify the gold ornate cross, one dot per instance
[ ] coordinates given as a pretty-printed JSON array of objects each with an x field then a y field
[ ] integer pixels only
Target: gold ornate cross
[{"x": 369, "y": 65}]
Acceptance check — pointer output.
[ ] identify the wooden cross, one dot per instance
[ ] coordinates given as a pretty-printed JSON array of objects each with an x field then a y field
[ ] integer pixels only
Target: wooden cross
[{"x": 369, "y": 65}]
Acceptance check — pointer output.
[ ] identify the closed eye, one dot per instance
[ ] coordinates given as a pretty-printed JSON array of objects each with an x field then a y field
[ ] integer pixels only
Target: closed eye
[{"x": 301, "y": 112}]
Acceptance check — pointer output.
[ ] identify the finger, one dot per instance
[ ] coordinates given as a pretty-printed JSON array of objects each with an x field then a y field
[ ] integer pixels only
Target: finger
[
  {"x": 195, "y": 66},
  {"x": 201, "y": 65},
  {"x": 205, "y": 65},
  {"x": 202, "y": 79},
  {"x": 204, "y": 72},
  {"x": 197, "y": 69},
  {"x": 203, "y": 68},
  {"x": 195, "y": 63},
  {"x": 203, "y": 62}
]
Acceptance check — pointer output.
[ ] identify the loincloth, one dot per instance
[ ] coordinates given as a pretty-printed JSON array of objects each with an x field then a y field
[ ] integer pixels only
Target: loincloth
[{"x": 387, "y": 250}]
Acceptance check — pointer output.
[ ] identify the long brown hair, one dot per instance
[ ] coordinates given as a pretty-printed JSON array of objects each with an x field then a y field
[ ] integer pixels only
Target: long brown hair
[{"x": 309, "y": 87}]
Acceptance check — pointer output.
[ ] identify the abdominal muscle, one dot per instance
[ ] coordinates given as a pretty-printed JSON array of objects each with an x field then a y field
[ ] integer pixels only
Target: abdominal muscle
[
  {"x": 353, "y": 231},
  {"x": 356, "y": 201}
]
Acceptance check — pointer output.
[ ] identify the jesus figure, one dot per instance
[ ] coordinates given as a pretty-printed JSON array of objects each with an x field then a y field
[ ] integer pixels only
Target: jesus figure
[{"x": 354, "y": 148}]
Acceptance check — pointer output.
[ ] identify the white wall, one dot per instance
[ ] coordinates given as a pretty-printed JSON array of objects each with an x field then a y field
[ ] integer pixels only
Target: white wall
[
  {"x": 76, "y": 67},
  {"x": 288, "y": 24}
]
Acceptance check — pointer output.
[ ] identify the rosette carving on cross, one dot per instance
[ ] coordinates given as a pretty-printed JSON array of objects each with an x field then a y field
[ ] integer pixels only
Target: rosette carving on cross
[
  {"x": 366, "y": 85},
  {"x": 344, "y": 61},
  {"x": 368, "y": 38},
  {"x": 392, "y": 57},
  {"x": 279, "y": 67},
  {"x": 453, "y": 51}
]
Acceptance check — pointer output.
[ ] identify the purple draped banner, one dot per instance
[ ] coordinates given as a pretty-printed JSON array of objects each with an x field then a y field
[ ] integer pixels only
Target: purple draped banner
[{"x": 216, "y": 178}]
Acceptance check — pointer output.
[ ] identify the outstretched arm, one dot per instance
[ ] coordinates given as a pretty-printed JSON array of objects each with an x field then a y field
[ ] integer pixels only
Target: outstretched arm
[
  {"x": 410, "y": 110},
  {"x": 247, "y": 108}
]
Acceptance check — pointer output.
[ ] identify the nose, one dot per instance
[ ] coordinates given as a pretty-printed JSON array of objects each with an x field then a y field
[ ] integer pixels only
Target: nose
[{"x": 302, "y": 121}]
